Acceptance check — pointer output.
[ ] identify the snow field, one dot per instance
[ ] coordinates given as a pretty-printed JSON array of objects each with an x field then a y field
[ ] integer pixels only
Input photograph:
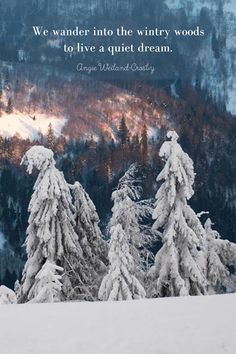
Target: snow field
[{"x": 184, "y": 325}]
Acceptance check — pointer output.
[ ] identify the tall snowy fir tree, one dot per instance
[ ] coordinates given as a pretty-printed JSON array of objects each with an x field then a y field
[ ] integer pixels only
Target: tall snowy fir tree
[
  {"x": 90, "y": 239},
  {"x": 129, "y": 211},
  {"x": 180, "y": 264},
  {"x": 120, "y": 283},
  {"x": 51, "y": 232},
  {"x": 221, "y": 254}
]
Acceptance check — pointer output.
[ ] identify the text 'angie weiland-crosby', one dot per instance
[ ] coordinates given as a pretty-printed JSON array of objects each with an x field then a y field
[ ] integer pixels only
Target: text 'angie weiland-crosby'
[{"x": 106, "y": 67}]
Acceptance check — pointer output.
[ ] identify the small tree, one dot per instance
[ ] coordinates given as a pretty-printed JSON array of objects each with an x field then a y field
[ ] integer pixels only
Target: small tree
[
  {"x": 120, "y": 283},
  {"x": 220, "y": 255},
  {"x": 47, "y": 286},
  {"x": 123, "y": 132},
  {"x": 51, "y": 139},
  {"x": 180, "y": 265},
  {"x": 7, "y": 296},
  {"x": 9, "y": 108},
  {"x": 144, "y": 145},
  {"x": 124, "y": 141}
]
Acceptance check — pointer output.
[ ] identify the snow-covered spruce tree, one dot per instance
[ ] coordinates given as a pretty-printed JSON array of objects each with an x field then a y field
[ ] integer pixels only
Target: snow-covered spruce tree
[
  {"x": 220, "y": 255},
  {"x": 90, "y": 239},
  {"x": 7, "y": 296},
  {"x": 50, "y": 234},
  {"x": 120, "y": 282},
  {"x": 129, "y": 211},
  {"x": 180, "y": 264},
  {"x": 47, "y": 286}
]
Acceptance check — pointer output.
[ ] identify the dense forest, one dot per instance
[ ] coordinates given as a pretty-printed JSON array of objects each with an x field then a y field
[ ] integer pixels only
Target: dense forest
[{"x": 99, "y": 163}]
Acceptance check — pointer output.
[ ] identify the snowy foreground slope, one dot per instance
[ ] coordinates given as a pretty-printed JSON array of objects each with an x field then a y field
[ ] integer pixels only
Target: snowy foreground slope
[{"x": 187, "y": 325}]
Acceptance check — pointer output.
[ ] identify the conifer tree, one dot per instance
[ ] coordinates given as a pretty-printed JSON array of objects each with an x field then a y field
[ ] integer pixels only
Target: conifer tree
[
  {"x": 180, "y": 264},
  {"x": 123, "y": 132},
  {"x": 94, "y": 248},
  {"x": 144, "y": 145},
  {"x": 220, "y": 255},
  {"x": 129, "y": 211},
  {"x": 9, "y": 108},
  {"x": 136, "y": 148},
  {"x": 124, "y": 141},
  {"x": 120, "y": 282},
  {"x": 51, "y": 140},
  {"x": 47, "y": 286},
  {"x": 51, "y": 232}
]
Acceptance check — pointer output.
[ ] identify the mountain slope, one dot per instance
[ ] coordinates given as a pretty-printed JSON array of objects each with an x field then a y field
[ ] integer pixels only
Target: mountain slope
[
  {"x": 87, "y": 106},
  {"x": 29, "y": 127},
  {"x": 208, "y": 61}
]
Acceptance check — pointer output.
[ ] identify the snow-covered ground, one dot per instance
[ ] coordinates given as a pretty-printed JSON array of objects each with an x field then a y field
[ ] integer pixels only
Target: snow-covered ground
[
  {"x": 27, "y": 126},
  {"x": 187, "y": 325}
]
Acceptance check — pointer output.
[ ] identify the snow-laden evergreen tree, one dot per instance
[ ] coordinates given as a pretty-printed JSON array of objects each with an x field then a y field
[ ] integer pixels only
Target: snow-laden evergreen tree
[
  {"x": 220, "y": 255},
  {"x": 7, "y": 296},
  {"x": 51, "y": 232},
  {"x": 90, "y": 239},
  {"x": 120, "y": 283},
  {"x": 47, "y": 286},
  {"x": 129, "y": 211},
  {"x": 180, "y": 264}
]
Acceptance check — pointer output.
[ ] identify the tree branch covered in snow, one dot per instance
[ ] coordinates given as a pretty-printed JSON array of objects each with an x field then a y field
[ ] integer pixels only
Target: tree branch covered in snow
[
  {"x": 47, "y": 286},
  {"x": 220, "y": 255},
  {"x": 7, "y": 296}
]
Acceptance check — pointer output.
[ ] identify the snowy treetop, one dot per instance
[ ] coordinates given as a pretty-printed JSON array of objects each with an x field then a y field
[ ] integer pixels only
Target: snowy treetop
[
  {"x": 129, "y": 185},
  {"x": 179, "y": 166},
  {"x": 172, "y": 135},
  {"x": 38, "y": 157}
]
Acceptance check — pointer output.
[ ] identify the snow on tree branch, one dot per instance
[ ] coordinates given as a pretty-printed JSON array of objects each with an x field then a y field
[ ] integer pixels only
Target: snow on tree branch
[
  {"x": 7, "y": 296},
  {"x": 39, "y": 157},
  {"x": 120, "y": 282}
]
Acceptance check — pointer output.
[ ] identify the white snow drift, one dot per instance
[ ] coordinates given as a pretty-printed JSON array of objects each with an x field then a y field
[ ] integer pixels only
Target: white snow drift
[{"x": 196, "y": 325}]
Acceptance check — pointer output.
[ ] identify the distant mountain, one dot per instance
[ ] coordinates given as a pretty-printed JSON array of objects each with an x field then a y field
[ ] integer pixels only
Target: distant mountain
[
  {"x": 83, "y": 107},
  {"x": 207, "y": 62},
  {"x": 215, "y": 64}
]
